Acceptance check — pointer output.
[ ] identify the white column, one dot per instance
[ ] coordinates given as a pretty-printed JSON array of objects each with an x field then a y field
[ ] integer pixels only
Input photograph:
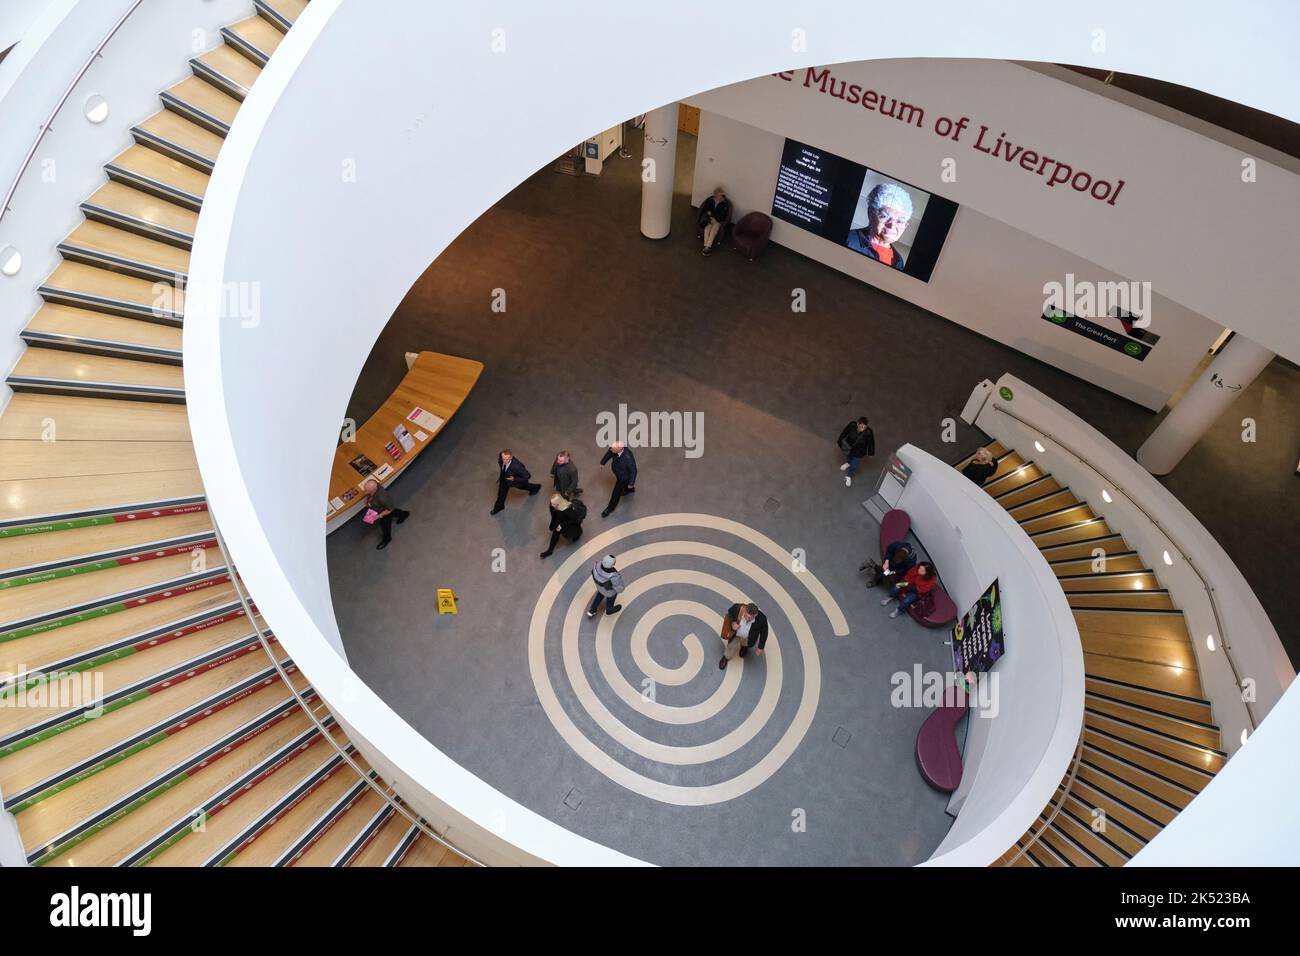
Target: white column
[
  {"x": 1209, "y": 396},
  {"x": 657, "y": 179}
]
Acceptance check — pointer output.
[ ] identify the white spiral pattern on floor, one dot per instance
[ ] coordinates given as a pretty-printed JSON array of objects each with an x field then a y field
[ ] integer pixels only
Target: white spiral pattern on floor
[{"x": 702, "y": 648}]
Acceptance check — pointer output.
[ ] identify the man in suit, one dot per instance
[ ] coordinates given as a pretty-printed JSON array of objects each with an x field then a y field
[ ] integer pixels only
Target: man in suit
[
  {"x": 512, "y": 474},
  {"x": 745, "y": 626},
  {"x": 623, "y": 465}
]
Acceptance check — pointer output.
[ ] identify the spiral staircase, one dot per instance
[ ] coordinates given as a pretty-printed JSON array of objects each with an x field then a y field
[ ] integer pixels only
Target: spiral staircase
[
  {"x": 143, "y": 719},
  {"x": 1149, "y": 742}
]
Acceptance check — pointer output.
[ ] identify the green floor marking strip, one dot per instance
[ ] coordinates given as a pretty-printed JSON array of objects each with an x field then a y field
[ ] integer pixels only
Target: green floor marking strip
[
  {"x": 61, "y": 622},
  {"x": 61, "y": 573},
  {"x": 56, "y": 526},
  {"x": 88, "y": 773},
  {"x": 72, "y": 724},
  {"x": 110, "y": 820}
]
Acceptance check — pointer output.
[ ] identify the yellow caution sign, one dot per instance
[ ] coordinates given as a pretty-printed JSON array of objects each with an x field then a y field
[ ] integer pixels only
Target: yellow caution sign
[{"x": 446, "y": 601}]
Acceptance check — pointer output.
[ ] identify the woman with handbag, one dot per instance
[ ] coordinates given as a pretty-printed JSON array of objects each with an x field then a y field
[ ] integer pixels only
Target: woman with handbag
[
  {"x": 917, "y": 587},
  {"x": 380, "y": 510}
]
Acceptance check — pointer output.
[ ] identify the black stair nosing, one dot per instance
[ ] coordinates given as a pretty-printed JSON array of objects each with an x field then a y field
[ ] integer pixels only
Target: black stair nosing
[
  {"x": 272, "y": 16},
  {"x": 1153, "y": 732},
  {"x": 1101, "y": 835},
  {"x": 158, "y": 544},
  {"x": 403, "y": 847},
  {"x": 118, "y": 307},
  {"x": 194, "y": 114},
  {"x": 1148, "y": 690},
  {"x": 1157, "y": 713},
  {"x": 218, "y": 79},
  {"x": 140, "y": 227},
  {"x": 272, "y": 815},
  {"x": 78, "y": 389},
  {"x": 1102, "y": 574},
  {"x": 1020, "y": 468},
  {"x": 107, "y": 348},
  {"x": 245, "y": 47},
  {"x": 1109, "y": 555},
  {"x": 1172, "y": 807},
  {"x": 1120, "y": 591},
  {"x": 1074, "y": 544},
  {"x": 60, "y": 666},
  {"x": 1061, "y": 834},
  {"x": 284, "y": 756},
  {"x": 1153, "y": 754},
  {"x": 1012, "y": 509},
  {"x": 112, "y": 697},
  {"x": 1027, "y": 484},
  {"x": 1128, "y": 807},
  {"x": 1067, "y": 527},
  {"x": 121, "y": 597},
  {"x": 173, "y": 150},
  {"x": 154, "y": 187},
  {"x": 1045, "y": 848},
  {"x": 371, "y": 830},
  {"x": 119, "y": 264},
  {"x": 154, "y": 504},
  {"x": 170, "y": 720},
  {"x": 331, "y": 816},
  {"x": 1126, "y": 610},
  {"x": 161, "y": 779}
]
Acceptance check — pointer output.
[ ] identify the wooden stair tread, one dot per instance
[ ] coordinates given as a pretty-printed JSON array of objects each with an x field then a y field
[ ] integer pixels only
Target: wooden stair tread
[
  {"x": 206, "y": 98},
  {"x": 98, "y": 237},
  {"x": 1143, "y": 600},
  {"x": 74, "y": 366},
  {"x": 82, "y": 544},
  {"x": 345, "y": 830},
  {"x": 1151, "y": 650},
  {"x": 1171, "y": 680},
  {"x": 140, "y": 206},
  {"x": 285, "y": 832},
  {"x": 66, "y": 459},
  {"x": 76, "y": 278},
  {"x": 429, "y": 852},
  {"x": 385, "y": 842},
  {"x": 175, "y": 129},
  {"x": 1168, "y": 625},
  {"x": 153, "y": 165},
  {"x": 1195, "y": 710},
  {"x": 32, "y": 499},
  {"x": 1129, "y": 562},
  {"x": 258, "y": 32},
  {"x": 82, "y": 418},
  {"x": 66, "y": 320},
  {"x": 232, "y": 65},
  {"x": 1167, "y": 724}
]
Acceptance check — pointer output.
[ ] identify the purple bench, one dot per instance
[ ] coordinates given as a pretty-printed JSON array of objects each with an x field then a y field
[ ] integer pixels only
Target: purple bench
[
  {"x": 939, "y": 612},
  {"x": 937, "y": 756},
  {"x": 893, "y": 527}
]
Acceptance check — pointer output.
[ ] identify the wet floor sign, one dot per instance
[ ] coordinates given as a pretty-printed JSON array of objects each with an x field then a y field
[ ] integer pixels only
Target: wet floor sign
[{"x": 446, "y": 601}]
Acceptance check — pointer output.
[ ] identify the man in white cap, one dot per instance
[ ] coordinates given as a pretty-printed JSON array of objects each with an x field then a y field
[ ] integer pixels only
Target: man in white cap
[{"x": 608, "y": 585}]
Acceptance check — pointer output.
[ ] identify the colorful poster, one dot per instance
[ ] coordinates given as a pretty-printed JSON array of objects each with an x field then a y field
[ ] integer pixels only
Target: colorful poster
[{"x": 977, "y": 638}]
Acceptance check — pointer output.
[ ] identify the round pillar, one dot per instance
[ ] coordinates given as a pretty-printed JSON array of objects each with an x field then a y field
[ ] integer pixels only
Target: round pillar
[
  {"x": 1209, "y": 396},
  {"x": 657, "y": 167}
]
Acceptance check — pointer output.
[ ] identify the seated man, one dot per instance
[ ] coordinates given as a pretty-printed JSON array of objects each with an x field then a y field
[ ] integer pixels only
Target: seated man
[
  {"x": 715, "y": 213},
  {"x": 898, "y": 561}
]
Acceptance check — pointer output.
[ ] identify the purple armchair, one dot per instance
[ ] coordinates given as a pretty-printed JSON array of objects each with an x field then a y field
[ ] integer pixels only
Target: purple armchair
[{"x": 751, "y": 234}]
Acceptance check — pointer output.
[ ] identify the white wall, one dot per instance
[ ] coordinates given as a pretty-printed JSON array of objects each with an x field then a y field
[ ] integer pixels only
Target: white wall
[
  {"x": 1185, "y": 221},
  {"x": 16, "y": 16},
  {"x": 436, "y": 134},
  {"x": 1255, "y": 646},
  {"x": 1012, "y": 762},
  {"x": 148, "y": 54},
  {"x": 989, "y": 276}
]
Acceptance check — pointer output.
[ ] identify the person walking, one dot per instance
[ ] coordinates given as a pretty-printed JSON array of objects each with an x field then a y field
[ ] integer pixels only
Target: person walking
[
  {"x": 623, "y": 465},
  {"x": 916, "y": 585},
  {"x": 857, "y": 441},
  {"x": 609, "y": 584},
  {"x": 981, "y": 467},
  {"x": 566, "y": 519},
  {"x": 379, "y": 502},
  {"x": 743, "y": 627},
  {"x": 565, "y": 475},
  {"x": 512, "y": 474}
]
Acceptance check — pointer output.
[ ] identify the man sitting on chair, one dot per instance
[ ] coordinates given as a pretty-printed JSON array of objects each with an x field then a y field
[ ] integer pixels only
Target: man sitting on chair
[{"x": 715, "y": 213}]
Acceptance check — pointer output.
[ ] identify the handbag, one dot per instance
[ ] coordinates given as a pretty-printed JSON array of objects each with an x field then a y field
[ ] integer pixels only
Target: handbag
[{"x": 371, "y": 516}]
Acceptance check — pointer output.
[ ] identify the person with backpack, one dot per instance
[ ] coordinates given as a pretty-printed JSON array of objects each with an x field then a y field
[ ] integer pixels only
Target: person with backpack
[
  {"x": 857, "y": 441},
  {"x": 898, "y": 561},
  {"x": 609, "y": 584},
  {"x": 566, "y": 519},
  {"x": 917, "y": 586}
]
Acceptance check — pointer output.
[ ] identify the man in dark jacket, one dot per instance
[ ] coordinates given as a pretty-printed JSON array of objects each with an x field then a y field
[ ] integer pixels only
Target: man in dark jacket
[
  {"x": 378, "y": 499},
  {"x": 715, "y": 213},
  {"x": 512, "y": 474},
  {"x": 623, "y": 465},
  {"x": 566, "y": 519},
  {"x": 857, "y": 441},
  {"x": 745, "y": 626},
  {"x": 899, "y": 559},
  {"x": 565, "y": 474}
]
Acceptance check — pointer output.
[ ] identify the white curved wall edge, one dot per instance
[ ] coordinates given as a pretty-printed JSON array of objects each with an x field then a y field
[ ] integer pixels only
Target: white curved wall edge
[
  {"x": 435, "y": 127},
  {"x": 1255, "y": 645},
  {"x": 16, "y": 18},
  {"x": 1014, "y": 760}
]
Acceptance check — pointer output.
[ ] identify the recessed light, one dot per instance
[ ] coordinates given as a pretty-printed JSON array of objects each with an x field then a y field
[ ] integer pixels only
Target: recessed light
[
  {"x": 11, "y": 260},
  {"x": 96, "y": 109},
  {"x": 1168, "y": 559},
  {"x": 1244, "y": 734},
  {"x": 1105, "y": 496},
  {"x": 1039, "y": 446},
  {"x": 1209, "y": 641}
]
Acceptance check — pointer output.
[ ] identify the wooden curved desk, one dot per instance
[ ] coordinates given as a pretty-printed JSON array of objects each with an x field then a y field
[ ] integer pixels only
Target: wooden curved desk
[{"x": 436, "y": 383}]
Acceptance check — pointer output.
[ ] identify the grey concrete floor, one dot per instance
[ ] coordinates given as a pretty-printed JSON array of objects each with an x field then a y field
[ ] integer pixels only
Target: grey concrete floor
[{"x": 598, "y": 316}]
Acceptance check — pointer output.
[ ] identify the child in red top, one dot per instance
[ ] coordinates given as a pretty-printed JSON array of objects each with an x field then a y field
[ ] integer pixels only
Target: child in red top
[{"x": 916, "y": 584}]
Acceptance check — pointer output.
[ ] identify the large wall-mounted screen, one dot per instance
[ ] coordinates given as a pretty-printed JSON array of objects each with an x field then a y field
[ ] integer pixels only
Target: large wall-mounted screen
[{"x": 885, "y": 219}]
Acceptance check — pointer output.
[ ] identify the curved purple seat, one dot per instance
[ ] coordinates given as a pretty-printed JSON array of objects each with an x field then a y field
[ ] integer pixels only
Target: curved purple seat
[
  {"x": 893, "y": 527},
  {"x": 937, "y": 756},
  {"x": 939, "y": 612},
  {"x": 751, "y": 234}
]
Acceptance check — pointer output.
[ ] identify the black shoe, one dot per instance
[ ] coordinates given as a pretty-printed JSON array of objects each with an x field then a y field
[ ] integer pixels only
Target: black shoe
[
  {"x": 744, "y": 651},
  {"x": 615, "y": 609},
  {"x": 533, "y": 490},
  {"x": 495, "y": 510},
  {"x": 405, "y": 515},
  {"x": 381, "y": 545},
  {"x": 630, "y": 491},
  {"x": 706, "y": 250},
  {"x": 545, "y": 554},
  {"x": 722, "y": 664},
  {"x": 605, "y": 513}
]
